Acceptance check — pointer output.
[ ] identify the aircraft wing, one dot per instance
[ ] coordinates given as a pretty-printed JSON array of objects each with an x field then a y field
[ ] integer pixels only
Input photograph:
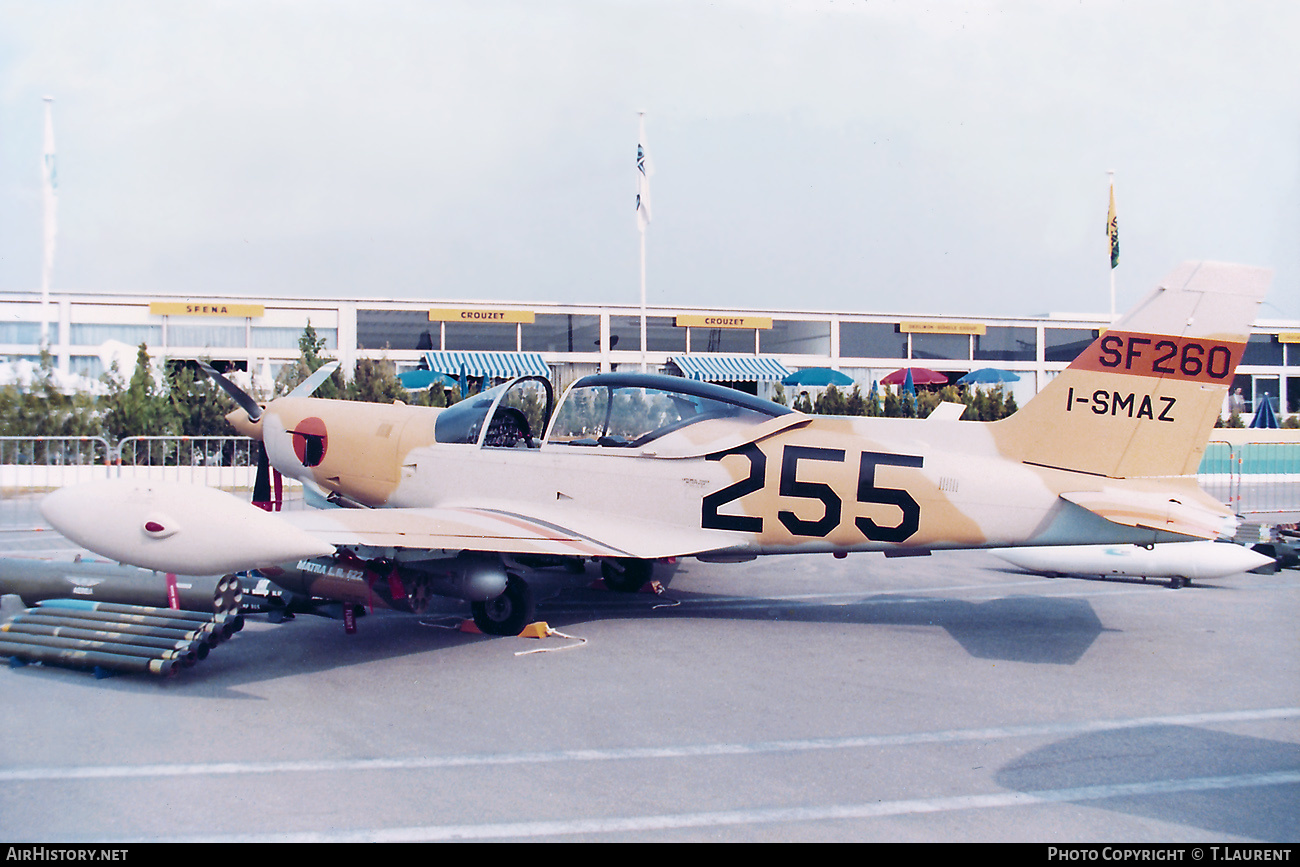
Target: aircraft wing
[
  {"x": 190, "y": 529},
  {"x": 506, "y": 528}
]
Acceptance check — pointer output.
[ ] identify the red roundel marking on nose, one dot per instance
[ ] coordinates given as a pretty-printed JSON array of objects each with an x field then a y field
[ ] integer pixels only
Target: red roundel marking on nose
[{"x": 304, "y": 433}]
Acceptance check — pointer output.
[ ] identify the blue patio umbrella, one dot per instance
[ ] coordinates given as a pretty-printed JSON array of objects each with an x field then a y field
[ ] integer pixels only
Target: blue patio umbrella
[
  {"x": 818, "y": 376},
  {"x": 418, "y": 380},
  {"x": 988, "y": 376},
  {"x": 908, "y": 387},
  {"x": 1264, "y": 416}
]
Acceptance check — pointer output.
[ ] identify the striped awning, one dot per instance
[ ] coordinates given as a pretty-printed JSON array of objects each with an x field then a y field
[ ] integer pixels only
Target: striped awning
[
  {"x": 730, "y": 368},
  {"x": 498, "y": 365}
]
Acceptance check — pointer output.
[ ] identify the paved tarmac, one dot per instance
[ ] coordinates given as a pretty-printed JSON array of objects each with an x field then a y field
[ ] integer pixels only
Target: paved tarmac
[{"x": 943, "y": 698}]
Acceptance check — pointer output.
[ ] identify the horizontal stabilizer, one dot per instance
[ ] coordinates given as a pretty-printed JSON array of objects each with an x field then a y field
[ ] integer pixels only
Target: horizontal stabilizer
[{"x": 1157, "y": 511}]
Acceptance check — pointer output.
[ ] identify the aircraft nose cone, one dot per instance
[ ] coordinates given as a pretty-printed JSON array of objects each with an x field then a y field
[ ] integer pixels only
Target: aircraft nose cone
[{"x": 243, "y": 425}]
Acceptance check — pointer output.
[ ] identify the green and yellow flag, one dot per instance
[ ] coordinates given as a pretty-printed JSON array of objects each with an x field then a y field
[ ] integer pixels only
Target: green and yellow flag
[{"x": 1112, "y": 230}]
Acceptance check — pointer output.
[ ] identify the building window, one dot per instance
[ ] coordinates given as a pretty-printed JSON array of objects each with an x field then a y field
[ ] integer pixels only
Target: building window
[
  {"x": 732, "y": 341},
  {"x": 207, "y": 336},
  {"x": 871, "y": 340},
  {"x": 482, "y": 336},
  {"x": 26, "y": 332},
  {"x": 562, "y": 332},
  {"x": 1066, "y": 344},
  {"x": 89, "y": 366},
  {"x": 1006, "y": 343},
  {"x": 1263, "y": 349},
  {"x": 89, "y": 334},
  {"x": 662, "y": 334},
  {"x": 287, "y": 338},
  {"x": 394, "y": 329},
  {"x": 946, "y": 347},
  {"x": 791, "y": 337}
]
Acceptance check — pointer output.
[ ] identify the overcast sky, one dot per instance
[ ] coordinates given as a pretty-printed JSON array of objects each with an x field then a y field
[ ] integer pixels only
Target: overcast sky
[{"x": 942, "y": 157}]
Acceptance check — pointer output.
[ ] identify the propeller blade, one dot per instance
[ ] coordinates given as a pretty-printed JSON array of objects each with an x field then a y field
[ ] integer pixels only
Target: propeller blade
[
  {"x": 313, "y": 382},
  {"x": 241, "y": 397}
]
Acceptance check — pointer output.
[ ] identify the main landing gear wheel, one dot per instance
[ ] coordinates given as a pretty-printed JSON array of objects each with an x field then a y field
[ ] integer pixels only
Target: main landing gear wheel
[
  {"x": 626, "y": 576},
  {"x": 507, "y": 614}
]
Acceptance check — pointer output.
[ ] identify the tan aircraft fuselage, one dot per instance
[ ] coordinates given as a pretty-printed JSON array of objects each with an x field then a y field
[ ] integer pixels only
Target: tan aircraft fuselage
[{"x": 814, "y": 484}]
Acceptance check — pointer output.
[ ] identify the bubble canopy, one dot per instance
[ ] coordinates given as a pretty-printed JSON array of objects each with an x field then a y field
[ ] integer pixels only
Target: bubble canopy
[{"x": 629, "y": 410}]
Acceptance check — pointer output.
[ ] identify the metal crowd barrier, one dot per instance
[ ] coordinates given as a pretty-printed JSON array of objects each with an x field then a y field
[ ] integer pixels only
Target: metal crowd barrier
[
  {"x": 46, "y": 463},
  {"x": 225, "y": 462},
  {"x": 1253, "y": 479}
]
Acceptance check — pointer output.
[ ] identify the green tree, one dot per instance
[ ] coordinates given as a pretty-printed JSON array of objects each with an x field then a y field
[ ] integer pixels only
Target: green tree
[
  {"x": 891, "y": 408},
  {"x": 42, "y": 409},
  {"x": 376, "y": 382},
  {"x": 198, "y": 404},
  {"x": 139, "y": 408},
  {"x": 435, "y": 396},
  {"x": 310, "y": 359},
  {"x": 856, "y": 403},
  {"x": 831, "y": 402}
]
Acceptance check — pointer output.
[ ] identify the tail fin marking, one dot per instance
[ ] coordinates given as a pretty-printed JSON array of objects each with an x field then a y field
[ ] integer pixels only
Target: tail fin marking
[{"x": 1142, "y": 398}]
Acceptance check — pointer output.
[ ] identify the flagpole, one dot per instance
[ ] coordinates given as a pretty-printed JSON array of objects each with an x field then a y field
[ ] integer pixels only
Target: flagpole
[
  {"x": 49, "y": 183},
  {"x": 644, "y": 367},
  {"x": 642, "y": 219},
  {"x": 1112, "y": 232}
]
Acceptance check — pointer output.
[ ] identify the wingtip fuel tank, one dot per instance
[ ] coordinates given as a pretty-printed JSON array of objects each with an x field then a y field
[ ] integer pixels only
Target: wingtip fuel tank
[
  {"x": 1183, "y": 560},
  {"x": 175, "y": 528}
]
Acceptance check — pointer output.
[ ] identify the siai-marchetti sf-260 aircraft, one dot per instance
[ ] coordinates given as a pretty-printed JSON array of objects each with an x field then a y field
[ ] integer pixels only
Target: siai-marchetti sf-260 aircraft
[{"x": 631, "y": 469}]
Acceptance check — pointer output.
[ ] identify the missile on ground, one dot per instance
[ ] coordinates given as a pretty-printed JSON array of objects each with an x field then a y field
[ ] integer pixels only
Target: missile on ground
[
  {"x": 86, "y": 658},
  {"x": 25, "y": 626},
  {"x": 184, "y": 656},
  {"x": 36, "y": 616},
  {"x": 221, "y": 626},
  {"x": 37, "y": 580}
]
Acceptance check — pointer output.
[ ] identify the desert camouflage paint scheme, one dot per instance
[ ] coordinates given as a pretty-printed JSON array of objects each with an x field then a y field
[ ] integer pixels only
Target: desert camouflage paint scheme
[{"x": 637, "y": 468}]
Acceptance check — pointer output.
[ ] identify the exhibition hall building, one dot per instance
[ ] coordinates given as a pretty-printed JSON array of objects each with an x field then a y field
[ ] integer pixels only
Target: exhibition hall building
[{"x": 748, "y": 349}]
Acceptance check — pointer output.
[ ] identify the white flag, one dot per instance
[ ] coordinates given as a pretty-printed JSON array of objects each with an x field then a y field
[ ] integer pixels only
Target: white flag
[{"x": 643, "y": 172}]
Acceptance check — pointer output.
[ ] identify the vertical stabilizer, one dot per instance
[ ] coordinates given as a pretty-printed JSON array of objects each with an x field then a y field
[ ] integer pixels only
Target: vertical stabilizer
[{"x": 1141, "y": 400}]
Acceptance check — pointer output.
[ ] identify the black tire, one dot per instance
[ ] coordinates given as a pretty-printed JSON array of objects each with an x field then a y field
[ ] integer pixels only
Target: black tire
[
  {"x": 507, "y": 614},
  {"x": 627, "y": 575}
]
